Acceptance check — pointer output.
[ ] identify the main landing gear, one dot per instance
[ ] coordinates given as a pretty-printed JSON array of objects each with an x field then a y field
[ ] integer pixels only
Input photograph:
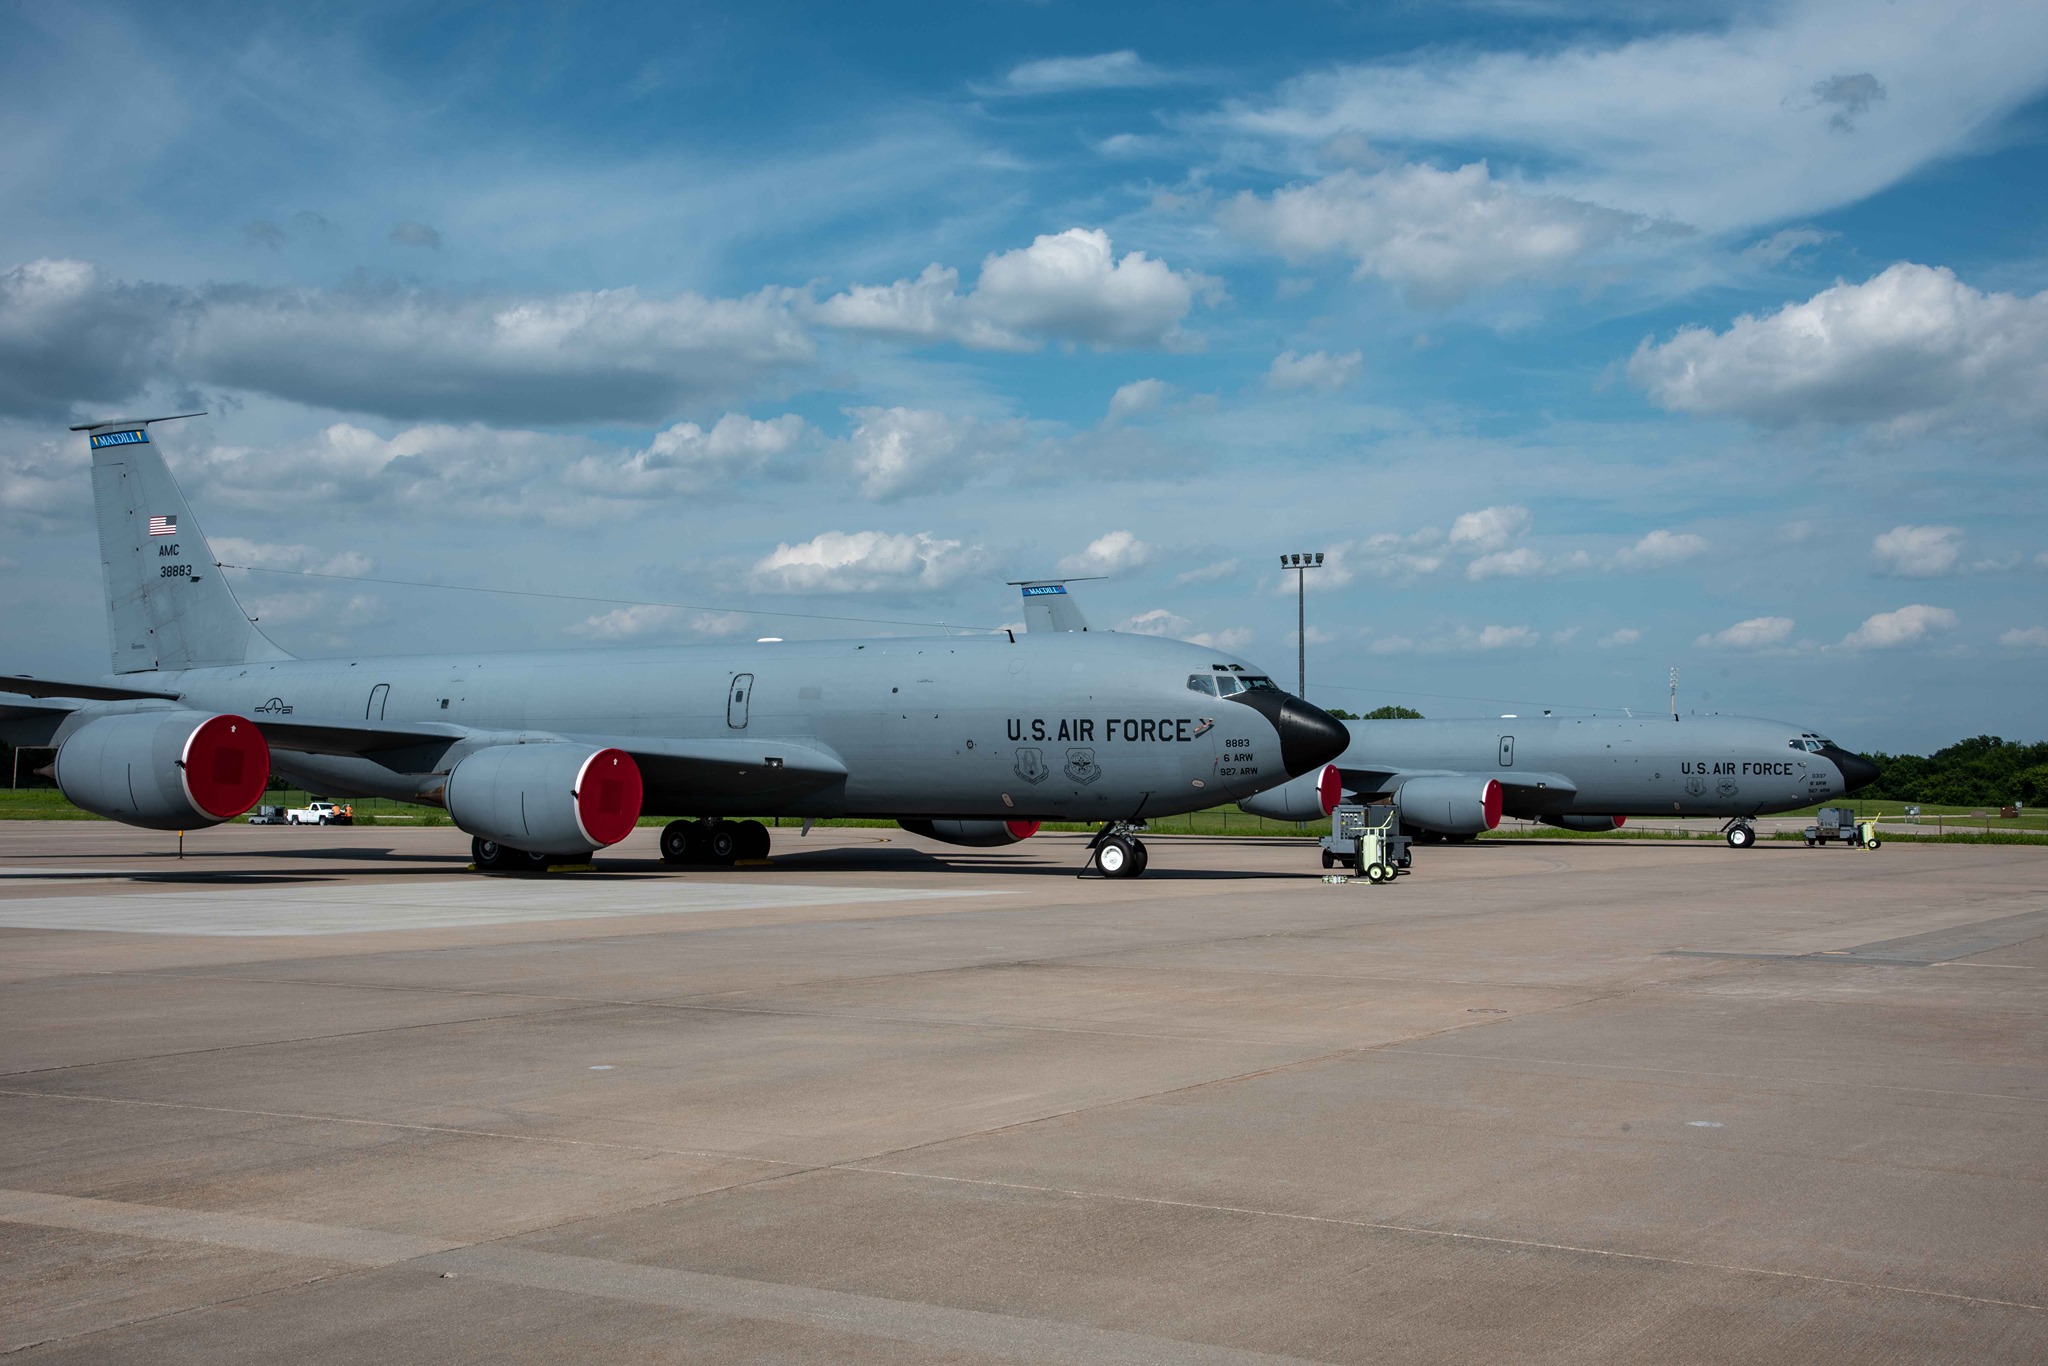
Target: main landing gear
[
  {"x": 1116, "y": 850},
  {"x": 493, "y": 857},
  {"x": 713, "y": 841},
  {"x": 1739, "y": 832}
]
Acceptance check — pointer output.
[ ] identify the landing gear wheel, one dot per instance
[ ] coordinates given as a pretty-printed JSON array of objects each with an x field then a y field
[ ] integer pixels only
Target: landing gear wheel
[
  {"x": 538, "y": 863},
  {"x": 1141, "y": 858},
  {"x": 1741, "y": 837},
  {"x": 1117, "y": 857},
  {"x": 722, "y": 844},
  {"x": 752, "y": 838},
  {"x": 490, "y": 856},
  {"x": 678, "y": 842}
]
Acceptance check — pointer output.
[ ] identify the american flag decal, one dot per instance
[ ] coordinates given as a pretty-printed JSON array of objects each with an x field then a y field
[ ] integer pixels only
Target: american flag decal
[{"x": 163, "y": 526}]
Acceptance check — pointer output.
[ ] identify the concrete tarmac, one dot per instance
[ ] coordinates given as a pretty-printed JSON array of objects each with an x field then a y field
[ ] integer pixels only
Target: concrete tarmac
[{"x": 321, "y": 1095}]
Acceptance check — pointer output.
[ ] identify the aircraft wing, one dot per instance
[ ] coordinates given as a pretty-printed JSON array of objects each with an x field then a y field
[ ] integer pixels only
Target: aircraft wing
[
  {"x": 693, "y": 775},
  {"x": 678, "y": 774},
  {"x": 1519, "y": 781},
  {"x": 90, "y": 692}
]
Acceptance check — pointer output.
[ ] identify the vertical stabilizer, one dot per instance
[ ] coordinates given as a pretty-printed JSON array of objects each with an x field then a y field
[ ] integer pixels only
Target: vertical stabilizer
[
  {"x": 168, "y": 604},
  {"x": 1049, "y": 607}
]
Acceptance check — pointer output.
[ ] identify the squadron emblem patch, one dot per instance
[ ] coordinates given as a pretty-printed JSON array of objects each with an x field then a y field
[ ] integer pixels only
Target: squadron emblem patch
[
  {"x": 1031, "y": 766},
  {"x": 1081, "y": 766}
]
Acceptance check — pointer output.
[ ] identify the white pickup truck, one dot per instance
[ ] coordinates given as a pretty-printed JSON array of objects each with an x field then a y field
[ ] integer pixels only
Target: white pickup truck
[{"x": 317, "y": 813}]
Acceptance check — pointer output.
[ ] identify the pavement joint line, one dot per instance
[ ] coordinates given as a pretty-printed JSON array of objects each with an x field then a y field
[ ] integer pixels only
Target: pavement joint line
[
  {"x": 1532, "y": 1244},
  {"x": 979, "y": 1331},
  {"x": 1726, "y": 1076},
  {"x": 458, "y": 1131},
  {"x": 277, "y": 1043}
]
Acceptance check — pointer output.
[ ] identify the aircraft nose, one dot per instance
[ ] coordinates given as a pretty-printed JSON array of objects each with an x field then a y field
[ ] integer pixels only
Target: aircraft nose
[
  {"x": 1857, "y": 771},
  {"x": 1309, "y": 736}
]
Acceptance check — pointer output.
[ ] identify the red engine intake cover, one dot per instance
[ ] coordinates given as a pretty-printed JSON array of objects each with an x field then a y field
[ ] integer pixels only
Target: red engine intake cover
[
  {"x": 1021, "y": 830},
  {"x": 1493, "y": 803},
  {"x": 225, "y": 765},
  {"x": 1330, "y": 788},
  {"x": 608, "y": 796}
]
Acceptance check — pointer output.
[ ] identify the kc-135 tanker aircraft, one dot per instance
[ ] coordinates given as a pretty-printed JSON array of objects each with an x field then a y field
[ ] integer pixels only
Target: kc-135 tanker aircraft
[
  {"x": 1454, "y": 779},
  {"x": 538, "y": 756}
]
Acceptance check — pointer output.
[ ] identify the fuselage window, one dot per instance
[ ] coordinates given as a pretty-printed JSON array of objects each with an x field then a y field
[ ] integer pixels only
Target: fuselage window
[{"x": 1202, "y": 683}]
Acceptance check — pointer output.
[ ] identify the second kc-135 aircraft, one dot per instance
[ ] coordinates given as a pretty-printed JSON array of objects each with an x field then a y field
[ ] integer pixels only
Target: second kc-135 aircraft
[
  {"x": 1454, "y": 779},
  {"x": 540, "y": 756}
]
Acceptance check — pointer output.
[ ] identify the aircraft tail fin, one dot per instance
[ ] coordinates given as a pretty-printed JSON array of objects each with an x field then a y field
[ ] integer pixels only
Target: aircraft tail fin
[
  {"x": 1049, "y": 607},
  {"x": 168, "y": 604}
]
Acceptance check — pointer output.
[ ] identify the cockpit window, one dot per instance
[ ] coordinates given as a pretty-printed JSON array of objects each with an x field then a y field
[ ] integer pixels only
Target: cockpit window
[
  {"x": 1202, "y": 683},
  {"x": 1259, "y": 683},
  {"x": 1228, "y": 685}
]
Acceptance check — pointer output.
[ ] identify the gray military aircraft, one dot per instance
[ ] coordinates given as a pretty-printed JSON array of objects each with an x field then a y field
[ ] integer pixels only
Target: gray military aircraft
[
  {"x": 1454, "y": 779},
  {"x": 537, "y": 756}
]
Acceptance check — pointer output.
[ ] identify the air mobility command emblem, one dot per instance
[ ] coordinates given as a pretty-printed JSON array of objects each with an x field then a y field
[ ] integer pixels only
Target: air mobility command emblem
[{"x": 1081, "y": 766}]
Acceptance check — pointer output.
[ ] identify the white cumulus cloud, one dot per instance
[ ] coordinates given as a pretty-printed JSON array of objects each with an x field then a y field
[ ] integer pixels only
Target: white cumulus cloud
[
  {"x": 1913, "y": 345},
  {"x": 898, "y": 451},
  {"x": 1758, "y": 633},
  {"x": 1099, "y": 71},
  {"x": 2026, "y": 638},
  {"x": 643, "y": 621},
  {"x": 686, "y": 457},
  {"x": 1437, "y": 235},
  {"x": 1208, "y": 573},
  {"x": 1908, "y": 625},
  {"x": 864, "y": 562},
  {"x": 1110, "y": 553},
  {"x": 1661, "y": 547},
  {"x": 1068, "y": 286},
  {"x": 1138, "y": 397},
  {"x": 1520, "y": 563},
  {"x": 1627, "y": 635},
  {"x": 1489, "y": 528},
  {"x": 1316, "y": 370},
  {"x": 1919, "y": 552},
  {"x": 298, "y": 558}
]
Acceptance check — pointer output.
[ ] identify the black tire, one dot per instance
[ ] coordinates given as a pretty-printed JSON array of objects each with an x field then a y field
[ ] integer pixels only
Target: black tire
[
  {"x": 1142, "y": 858},
  {"x": 678, "y": 843},
  {"x": 1377, "y": 872},
  {"x": 753, "y": 839},
  {"x": 1115, "y": 857},
  {"x": 538, "y": 863},
  {"x": 722, "y": 845},
  {"x": 1740, "y": 837},
  {"x": 1329, "y": 860},
  {"x": 489, "y": 855}
]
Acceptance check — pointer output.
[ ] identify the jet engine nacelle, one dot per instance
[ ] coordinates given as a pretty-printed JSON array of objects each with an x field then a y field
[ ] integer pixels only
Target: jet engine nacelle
[
  {"x": 1592, "y": 825},
  {"x": 1460, "y": 804},
  {"x": 164, "y": 770},
  {"x": 1310, "y": 797},
  {"x": 546, "y": 798},
  {"x": 973, "y": 834}
]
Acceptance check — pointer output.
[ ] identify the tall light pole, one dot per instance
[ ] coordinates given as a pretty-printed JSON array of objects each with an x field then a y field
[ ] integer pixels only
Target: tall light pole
[{"x": 1301, "y": 564}]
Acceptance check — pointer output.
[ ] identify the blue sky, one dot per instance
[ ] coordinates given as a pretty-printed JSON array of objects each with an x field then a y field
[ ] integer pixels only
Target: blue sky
[{"x": 1587, "y": 340}]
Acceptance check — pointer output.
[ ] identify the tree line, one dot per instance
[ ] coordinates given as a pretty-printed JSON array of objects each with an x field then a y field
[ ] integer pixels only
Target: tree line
[{"x": 1985, "y": 771}]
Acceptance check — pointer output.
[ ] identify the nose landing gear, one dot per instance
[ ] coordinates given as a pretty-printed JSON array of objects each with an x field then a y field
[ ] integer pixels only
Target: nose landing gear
[
  {"x": 1739, "y": 833},
  {"x": 1116, "y": 851}
]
